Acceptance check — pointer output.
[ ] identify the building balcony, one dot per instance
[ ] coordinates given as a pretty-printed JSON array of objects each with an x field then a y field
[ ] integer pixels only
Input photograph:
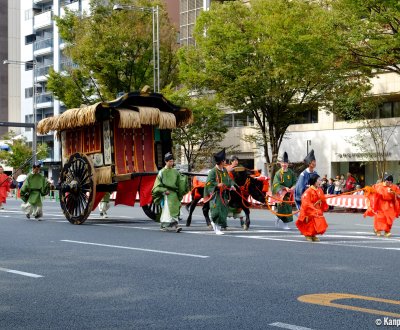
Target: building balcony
[
  {"x": 41, "y": 72},
  {"x": 44, "y": 100},
  {"x": 42, "y": 47},
  {"x": 43, "y": 20},
  {"x": 41, "y": 2},
  {"x": 71, "y": 5},
  {"x": 67, "y": 65}
]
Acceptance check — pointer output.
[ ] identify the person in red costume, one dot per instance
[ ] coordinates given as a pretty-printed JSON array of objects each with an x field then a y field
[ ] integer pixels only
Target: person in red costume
[
  {"x": 351, "y": 183},
  {"x": 384, "y": 205},
  {"x": 5, "y": 181},
  {"x": 311, "y": 221}
]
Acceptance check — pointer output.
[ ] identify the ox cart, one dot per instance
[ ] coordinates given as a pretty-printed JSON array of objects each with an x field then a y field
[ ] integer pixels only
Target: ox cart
[{"x": 113, "y": 146}]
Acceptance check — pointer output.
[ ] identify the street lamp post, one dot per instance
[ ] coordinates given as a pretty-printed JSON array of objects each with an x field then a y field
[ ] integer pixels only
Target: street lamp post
[
  {"x": 33, "y": 63},
  {"x": 156, "y": 39}
]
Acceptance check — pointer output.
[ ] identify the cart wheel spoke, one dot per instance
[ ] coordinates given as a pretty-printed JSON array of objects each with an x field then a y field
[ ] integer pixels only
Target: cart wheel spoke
[{"x": 78, "y": 188}]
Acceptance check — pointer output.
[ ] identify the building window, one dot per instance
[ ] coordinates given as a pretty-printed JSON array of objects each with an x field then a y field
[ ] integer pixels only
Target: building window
[
  {"x": 228, "y": 120},
  {"x": 237, "y": 120},
  {"x": 28, "y": 92},
  {"x": 28, "y": 14},
  {"x": 307, "y": 117},
  {"x": 29, "y": 39},
  {"x": 28, "y": 65},
  {"x": 28, "y": 119},
  {"x": 389, "y": 110}
]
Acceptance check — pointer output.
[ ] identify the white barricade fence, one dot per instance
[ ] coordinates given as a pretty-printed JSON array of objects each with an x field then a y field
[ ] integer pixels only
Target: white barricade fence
[{"x": 346, "y": 201}]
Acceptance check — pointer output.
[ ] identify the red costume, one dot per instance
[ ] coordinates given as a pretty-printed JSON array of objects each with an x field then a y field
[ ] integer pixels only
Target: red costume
[
  {"x": 198, "y": 183},
  {"x": 4, "y": 187},
  {"x": 350, "y": 183},
  {"x": 384, "y": 206},
  {"x": 311, "y": 220}
]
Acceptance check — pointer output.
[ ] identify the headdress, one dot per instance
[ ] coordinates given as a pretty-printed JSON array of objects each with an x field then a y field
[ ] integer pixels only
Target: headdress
[
  {"x": 168, "y": 156},
  {"x": 388, "y": 177},
  {"x": 310, "y": 157},
  {"x": 220, "y": 156},
  {"x": 285, "y": 158}
]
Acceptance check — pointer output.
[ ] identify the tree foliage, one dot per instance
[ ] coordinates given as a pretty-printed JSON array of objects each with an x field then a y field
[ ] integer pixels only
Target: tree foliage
[
  {"x": 113, "y": 50},
  {"x": 202, "y": 138},
  {"x": 20, "y": 156},
  {"x": 273, "y": 60},
  {"x": 369, "y": 29}
]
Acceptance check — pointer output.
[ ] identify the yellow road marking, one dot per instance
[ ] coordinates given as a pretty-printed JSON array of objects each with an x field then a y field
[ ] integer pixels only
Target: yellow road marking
[{"x": 326, "y": 299}]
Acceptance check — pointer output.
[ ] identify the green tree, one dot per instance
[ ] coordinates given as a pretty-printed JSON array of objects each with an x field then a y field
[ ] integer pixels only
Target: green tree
[
  {"x": 375, "y": 135},
  {"x": 369, "y": 29},
  {"x": 20, "y": 155},
  {"x": 113, "y": 50},
  {"x": 202, "y": 138},
  {"x": 273, "y": 60}
]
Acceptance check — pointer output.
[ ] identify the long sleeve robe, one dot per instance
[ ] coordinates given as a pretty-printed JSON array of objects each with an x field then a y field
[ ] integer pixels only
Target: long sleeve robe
[
  {"x": 283, "y": 180},
  {"x": 170, "y": 179},
  {"x": 384, "y": 205},
  {"x": 4, "y": 187},
  {"x": 311, "y": 220},
  {"x": 36, "y": 185},
  {"x": 219, "y": 197},
  {"x": 302, "y": 185}
]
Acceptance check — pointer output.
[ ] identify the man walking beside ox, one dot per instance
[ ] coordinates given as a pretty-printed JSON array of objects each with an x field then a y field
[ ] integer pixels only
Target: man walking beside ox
[
  {"x": 283, "y": 187},
  {"x": 216, "y": 191}
]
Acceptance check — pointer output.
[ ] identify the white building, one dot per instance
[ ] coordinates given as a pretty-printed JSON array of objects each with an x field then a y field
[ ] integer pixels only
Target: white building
[{"x": 41, "y": 43}]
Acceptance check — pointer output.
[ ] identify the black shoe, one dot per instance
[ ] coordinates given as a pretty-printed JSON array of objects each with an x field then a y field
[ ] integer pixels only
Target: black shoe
[
  {"x": 101, "y": 214},
  {"x": 178, "y": 229},
  {"x": 37, "y": 217},
  {"x": 28, "y": 216}
]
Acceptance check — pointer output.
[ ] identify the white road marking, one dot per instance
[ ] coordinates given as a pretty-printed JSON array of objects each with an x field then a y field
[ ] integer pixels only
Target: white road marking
[
  {"x": 137, "y": 249},
  {"x": 288, "y": 326},
  {"x": 321, "y": 243},
  {"x": 20, "y": 273}
]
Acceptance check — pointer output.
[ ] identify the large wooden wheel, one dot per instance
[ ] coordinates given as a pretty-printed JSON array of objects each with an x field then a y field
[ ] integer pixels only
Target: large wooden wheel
[
  {"x": 78, "y": 188},
  {"x": 153, "y": 211}
]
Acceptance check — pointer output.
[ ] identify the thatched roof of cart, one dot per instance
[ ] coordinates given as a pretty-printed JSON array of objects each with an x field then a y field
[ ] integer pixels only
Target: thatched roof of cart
[{"x": 134, "y": 109}]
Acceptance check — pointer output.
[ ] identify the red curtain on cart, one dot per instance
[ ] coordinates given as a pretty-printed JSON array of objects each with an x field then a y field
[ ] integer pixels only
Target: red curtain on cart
[{"x": 127, "y": 191}]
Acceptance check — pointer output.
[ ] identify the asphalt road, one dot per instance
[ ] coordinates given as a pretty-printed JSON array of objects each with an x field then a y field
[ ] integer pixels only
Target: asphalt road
[{"x": 124, "y": 273}]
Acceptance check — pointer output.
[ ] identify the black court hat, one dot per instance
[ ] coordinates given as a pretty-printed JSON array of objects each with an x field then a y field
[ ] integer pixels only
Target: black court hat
[
  {"x": 310, "y": 157},
  {"x": 220, "y": 156}
]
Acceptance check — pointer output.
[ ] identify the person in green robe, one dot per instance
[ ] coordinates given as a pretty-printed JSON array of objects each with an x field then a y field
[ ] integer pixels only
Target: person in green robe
[
  {"x": 216, "y": 191},
  {"x": 235, "y": 213},
  {"x": 35, "y": 186},
  {"x": 283, "y": 187},
  {"x": 168, "y": 190}
]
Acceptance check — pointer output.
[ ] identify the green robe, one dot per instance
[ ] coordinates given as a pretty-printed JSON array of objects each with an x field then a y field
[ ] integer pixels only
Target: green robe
[
  {"x": 35, "y": 186},
  {"x": 219, "y": 199},
  {"x": 284, "y": 179},
  {"x": 170, "y": 179}
]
